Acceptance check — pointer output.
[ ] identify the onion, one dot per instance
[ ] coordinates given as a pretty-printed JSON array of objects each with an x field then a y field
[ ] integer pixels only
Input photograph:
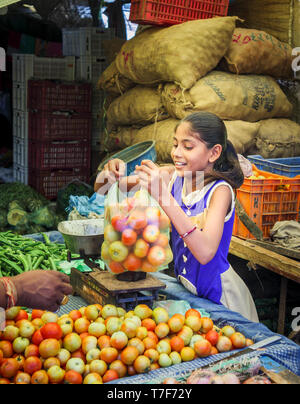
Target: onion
[
  {"x": 257, "y": 380},
  {"x": 230, "y": 378},
  {"x": 201, "y": 377}
]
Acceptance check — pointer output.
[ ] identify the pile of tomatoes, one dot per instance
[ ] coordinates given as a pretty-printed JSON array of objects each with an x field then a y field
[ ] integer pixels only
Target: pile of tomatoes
[
  {"x": 95, "y": 344},
  {"x": 136, "y": 237}
]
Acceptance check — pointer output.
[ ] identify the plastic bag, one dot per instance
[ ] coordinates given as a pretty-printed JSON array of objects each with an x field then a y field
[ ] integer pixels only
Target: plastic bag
[
  {"x": 85, "y": 205},
  {"x": 136, "y": 233}
]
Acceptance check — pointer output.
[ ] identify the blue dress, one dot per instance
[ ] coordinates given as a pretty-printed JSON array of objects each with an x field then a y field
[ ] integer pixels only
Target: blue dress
[{"x": 202, "y": 280}]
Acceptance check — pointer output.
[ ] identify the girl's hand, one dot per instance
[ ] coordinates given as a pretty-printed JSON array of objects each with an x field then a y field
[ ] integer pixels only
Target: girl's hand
[
  {"x": 150, "y": 178},
  {"x": 113, "y": 171}
]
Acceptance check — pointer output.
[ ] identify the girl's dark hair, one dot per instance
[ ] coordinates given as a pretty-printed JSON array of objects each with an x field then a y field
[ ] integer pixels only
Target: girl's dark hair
[{"x": 212, "y": 130}]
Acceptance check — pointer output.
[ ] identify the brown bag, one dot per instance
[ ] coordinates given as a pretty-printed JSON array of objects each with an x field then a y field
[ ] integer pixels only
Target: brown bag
[
  {"x": 257, "y": 52},
  {"x": 113, "y": 82},
  {"x": 181, "y": 53},
  {"x": 231, "y": 97},
  {"x": 278, "y": 138},
  {"x": 242, "y": 135},
  {"x": 138, "y": 106}
]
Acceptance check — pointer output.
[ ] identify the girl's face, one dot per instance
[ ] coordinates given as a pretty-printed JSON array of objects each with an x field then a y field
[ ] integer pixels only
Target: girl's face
[{"x": 190, "y": 153}]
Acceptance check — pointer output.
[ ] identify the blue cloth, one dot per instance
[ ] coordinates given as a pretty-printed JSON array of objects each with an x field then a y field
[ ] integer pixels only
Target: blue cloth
[
  {"x": 85, "y": 205},
  {"x": 202, "y": 280}
]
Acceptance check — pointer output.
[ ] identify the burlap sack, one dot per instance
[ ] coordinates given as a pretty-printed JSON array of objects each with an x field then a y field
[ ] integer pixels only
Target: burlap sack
[
  {"x": 242, "y": 135},
  {"x": 181, "y": 53},
  {"x": 121, "y": 137},
  {"x": 278, "y": 138},
  {"x": 231, "y": 97},
  {"x": 112, "y": 47},
  {"x": 138, "y": 106},
  {"x": 162, "y": 132},
  {"x": 114, "y": 82},
  {"x": 257, "y": 52}
]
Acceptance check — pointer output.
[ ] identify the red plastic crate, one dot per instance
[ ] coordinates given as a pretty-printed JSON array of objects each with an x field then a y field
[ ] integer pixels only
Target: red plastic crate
[
  {"x": 171, "y": 12},
  {"x": 46, "y": 95},
  {"x": 45, "y": 126},
  {"x": 53, "y": 155},
  {"x": 49, "y": 182},
  {"x": 266, "y": 201}
]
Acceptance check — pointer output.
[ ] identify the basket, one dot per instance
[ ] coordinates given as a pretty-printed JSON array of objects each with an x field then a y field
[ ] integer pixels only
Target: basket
[
  {"x": 46, "y": 95},
  {"x": 288, "y": 167},
  {"x": 20, "y": 124},
  {"x": 134, "y": 155},
  {"x": 20, "y": 152},
  {"x": 19, "y": 99},
  {"x": 49, "y": 182},
  {"x": 45, "y": 126},
  {"x": 53, "y": 155},
  {"x": 171, "y": 12},
  {"x": 20, "y": 174},
  {"x": 26, "y": 67},
  {"x": 267, "y": 201},
  {"x": 91, "y": 68}
]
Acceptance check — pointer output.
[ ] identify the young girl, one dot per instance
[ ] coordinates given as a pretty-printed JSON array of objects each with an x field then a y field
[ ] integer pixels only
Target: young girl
[{"x": 202, "y": 216}]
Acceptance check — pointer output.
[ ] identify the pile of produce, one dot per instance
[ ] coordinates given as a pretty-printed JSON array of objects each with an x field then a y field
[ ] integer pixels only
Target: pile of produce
[
  {"x": 136, "y": 235},
  {"x": 20, "y": 254},
  {"x": 24, "y": 211},
  {"x": 95, "y": 344}
]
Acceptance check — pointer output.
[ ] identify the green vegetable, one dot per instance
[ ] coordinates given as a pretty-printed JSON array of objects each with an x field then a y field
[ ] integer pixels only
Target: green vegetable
[
  {"x": 19, "y": 254},
  {"x": 17, "y": 217},
  {"x": 43, "y": 217}
]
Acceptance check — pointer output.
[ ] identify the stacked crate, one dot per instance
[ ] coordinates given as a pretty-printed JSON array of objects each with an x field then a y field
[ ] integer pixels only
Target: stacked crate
[
  {"x": 59, "y": 134},
  {"x": 26, "y": 67},
  {"x": 87, "y": 45}
]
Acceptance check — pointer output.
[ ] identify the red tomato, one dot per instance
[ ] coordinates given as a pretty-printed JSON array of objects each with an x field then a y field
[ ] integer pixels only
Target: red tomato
[
  {"x": 23, "y": 315},
  {"x": 119, "y": 222},
  {"x": 72, "y": 377},
  {"x": 110, "y": 375},
  {"x": 36, "y": 314},
  {"x": 116, "y": 267},
  {"x": 32, "y": 364},
  {"x": 51, "y": 330},
  {"x": 151, "y": 233},
  {"x": 212, "y": 336},
  {"x": 192, "y": 312},
  {"x": 9, "y": 368},
  {"x": 37, "y": 337},
  {"x": 129, "y": 237},
  {"x": 162, "y": 240},
  {"x": 153, "y": 215},
  {"x": 132, "y": 263},
  {"x": 156, "y": 256},
  {"x": 137, "y": 220},
  {"x": 147, "y": 267}
]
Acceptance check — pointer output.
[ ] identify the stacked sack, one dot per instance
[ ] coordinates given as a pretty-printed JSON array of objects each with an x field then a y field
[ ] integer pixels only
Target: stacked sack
[{"x": 164, "y": 74}]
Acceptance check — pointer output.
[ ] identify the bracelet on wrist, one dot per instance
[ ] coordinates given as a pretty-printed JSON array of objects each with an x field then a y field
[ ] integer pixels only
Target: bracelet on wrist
[
  {"x": 188, "y": 233},
  {"x": 10, "y": 291}
]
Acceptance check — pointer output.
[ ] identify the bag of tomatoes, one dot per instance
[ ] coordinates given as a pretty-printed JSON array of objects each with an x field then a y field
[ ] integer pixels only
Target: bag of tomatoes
[{"x": 136, "y": 233}]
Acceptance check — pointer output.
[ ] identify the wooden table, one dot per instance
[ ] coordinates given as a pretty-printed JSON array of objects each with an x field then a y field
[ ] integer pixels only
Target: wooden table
[{"x": 270, "y": 256}]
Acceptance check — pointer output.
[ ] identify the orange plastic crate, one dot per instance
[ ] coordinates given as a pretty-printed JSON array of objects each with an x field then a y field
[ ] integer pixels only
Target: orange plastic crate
[
  {"x": 171, "y": 12},
  {"x": 267, "y": 201}
]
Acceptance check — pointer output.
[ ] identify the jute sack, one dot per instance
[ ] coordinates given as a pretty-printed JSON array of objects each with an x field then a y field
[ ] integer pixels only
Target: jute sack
[
  {"x": 138, "y": 106},
  {"x": 121, "y": 137},
  {"x": 278, "y": 18},
  {"x": 257, "y": 52},
  {"x": 231, "y": 97},
  {"x": 278, "y": 138},
  {"x": 181, "y": 53},
  {"x": 242, "y": 135},
  {"x": 163, "y": 134},
  {"x": 113, "y": 82}
]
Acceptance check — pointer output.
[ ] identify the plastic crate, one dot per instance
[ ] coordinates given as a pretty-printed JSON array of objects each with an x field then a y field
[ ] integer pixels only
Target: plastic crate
[
  {"x": 267, "y": 201},
  {"x": 91, "y": 68},
  {"x": 27, "y": 67},
  {"x": 46, "y": 95},
  {"x": 45, "y": 126},
  {"x": 288, "y": 167},
  {"x": 19, "y": 93},
  {"x": 20, "y": 124},
  {"x": 20, "y": 174},
  {"x": 85, "y": 41},
  {"x": 53, "y": 155},
  {"x": 171, "y": 12},
  {"x": 20, "y": 152},
  {"x": 49, "y": 182}
]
